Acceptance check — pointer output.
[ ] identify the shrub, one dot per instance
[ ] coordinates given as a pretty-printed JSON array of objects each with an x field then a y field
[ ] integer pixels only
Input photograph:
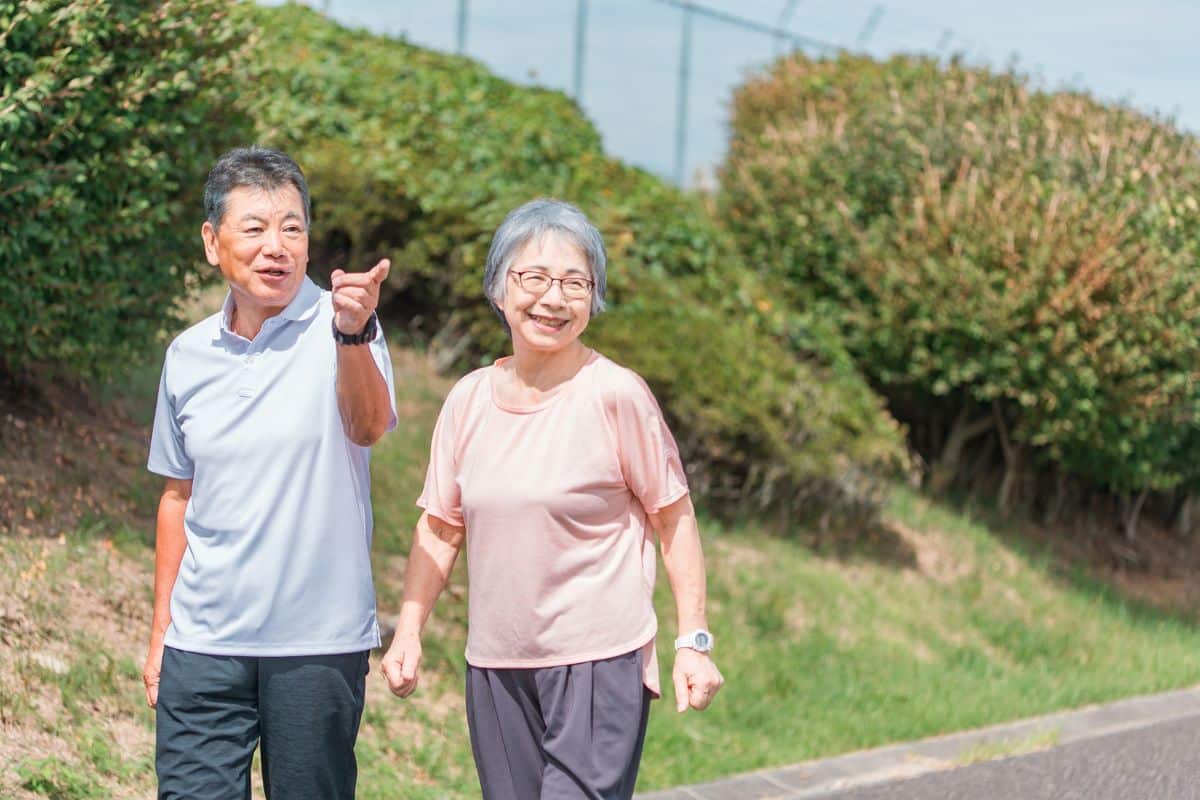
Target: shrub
[
  {"x": 418, "y": 156},
  {"x": 1001, "y": 260},
  {"x": 101, "y": 163}
]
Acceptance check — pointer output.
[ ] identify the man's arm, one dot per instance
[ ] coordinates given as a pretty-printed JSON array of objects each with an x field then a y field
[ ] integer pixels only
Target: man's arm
[
  {"x": 435, "y": 548},
  {"x": 696, "y": 677},
  {"x": 170, "y": 542},
  {"x": 362, "y": 392}
]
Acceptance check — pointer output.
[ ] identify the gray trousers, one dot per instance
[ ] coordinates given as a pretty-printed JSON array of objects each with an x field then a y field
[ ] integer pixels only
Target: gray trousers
[
  {"x": 213, "y": 711},
  {"x": 555, "y": 733}
]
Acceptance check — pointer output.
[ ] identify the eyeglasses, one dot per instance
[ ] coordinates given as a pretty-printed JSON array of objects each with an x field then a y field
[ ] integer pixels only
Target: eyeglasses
[{"x": 573, "y": 288}]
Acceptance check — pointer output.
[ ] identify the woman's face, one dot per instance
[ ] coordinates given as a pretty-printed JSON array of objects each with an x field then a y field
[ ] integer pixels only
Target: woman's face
[{"x": 547, "y": 319}]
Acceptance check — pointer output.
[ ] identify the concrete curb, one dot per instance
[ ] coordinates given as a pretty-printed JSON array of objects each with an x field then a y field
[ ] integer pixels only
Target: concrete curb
[{"x": 813, "y": 779}]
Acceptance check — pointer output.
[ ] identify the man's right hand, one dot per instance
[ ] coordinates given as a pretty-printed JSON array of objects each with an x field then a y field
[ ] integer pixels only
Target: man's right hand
[
  {"x": 151, "y": 673},
  {"x": 401, "y": 663}
]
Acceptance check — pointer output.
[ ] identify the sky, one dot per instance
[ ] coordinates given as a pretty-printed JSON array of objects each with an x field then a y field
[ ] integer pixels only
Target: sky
[{"x": 1142, "y": 53}]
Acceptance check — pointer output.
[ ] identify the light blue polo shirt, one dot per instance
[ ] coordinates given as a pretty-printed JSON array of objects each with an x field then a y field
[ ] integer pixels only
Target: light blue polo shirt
[{"x": 279, "y": 523}]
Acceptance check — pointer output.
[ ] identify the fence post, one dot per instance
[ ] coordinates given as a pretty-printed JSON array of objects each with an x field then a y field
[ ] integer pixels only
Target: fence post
[
  {"x": 685, "y": 57},
  {"x": 580, "y": 46},
  {"x": 462, "y": 26},
  {"x": 869, "y": 27}
]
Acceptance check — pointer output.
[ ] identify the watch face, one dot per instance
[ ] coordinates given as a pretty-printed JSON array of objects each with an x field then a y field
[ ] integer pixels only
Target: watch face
[{"x": 702, "y": 639}]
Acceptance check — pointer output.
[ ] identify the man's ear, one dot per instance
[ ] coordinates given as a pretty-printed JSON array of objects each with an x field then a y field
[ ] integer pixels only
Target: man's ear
[{"x": 209, "y": 234}]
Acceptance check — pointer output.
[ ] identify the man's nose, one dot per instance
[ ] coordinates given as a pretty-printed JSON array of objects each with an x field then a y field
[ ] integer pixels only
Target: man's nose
[{"x": 273, "y": 243}]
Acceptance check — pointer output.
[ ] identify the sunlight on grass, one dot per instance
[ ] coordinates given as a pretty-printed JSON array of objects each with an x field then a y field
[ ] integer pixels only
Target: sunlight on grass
[{"x": 933, "y": 623}]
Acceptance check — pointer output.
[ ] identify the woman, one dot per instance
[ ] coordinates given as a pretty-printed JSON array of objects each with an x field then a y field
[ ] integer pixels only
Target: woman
[{"x": 556, "y": 468}]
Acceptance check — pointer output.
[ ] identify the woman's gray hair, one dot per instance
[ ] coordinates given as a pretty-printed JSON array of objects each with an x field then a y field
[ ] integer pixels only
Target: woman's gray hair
[
  {"x": 533, "y": 221},
  {"x": 256, "y": 167}
]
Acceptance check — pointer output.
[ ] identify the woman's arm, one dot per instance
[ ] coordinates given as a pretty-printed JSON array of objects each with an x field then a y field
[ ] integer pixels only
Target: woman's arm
[
  {"x": 435, "y": 548},
  {"x": 696, "y": 677},
  {"x": 170, "y": 542}
]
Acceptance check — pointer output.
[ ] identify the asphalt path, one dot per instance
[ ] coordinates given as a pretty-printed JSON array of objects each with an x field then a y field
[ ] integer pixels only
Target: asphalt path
[{"x": 1157, "y": 762}]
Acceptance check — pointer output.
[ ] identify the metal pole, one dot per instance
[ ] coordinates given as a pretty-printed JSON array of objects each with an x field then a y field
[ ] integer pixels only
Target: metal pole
[
  {"x": 580, "y": 46},
  {"x": 782, "y": 23},
  {"x": 944, "y": 40},
  {"x": 869, "y": 27},
  {"x": 685, "y": 57},
  {"x": 462, "y": 26}
]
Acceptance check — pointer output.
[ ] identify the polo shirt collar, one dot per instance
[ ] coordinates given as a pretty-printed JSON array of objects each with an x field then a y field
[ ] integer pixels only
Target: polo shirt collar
[
  {"x": 302, "y": 307},
  {"x": 305, "y": 303}
]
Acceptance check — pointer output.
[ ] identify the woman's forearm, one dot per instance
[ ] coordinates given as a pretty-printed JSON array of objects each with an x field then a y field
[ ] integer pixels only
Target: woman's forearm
[
  {"x": 435, "y": 548},
  {"x": 683, "y": 557}
]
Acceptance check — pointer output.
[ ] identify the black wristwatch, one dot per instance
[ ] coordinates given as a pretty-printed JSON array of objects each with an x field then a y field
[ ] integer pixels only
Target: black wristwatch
[{"x": 366, "y": 335}]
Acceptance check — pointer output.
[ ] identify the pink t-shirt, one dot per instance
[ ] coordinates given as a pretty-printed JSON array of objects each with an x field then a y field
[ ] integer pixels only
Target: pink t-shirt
[{"x": 554, "y": 499}]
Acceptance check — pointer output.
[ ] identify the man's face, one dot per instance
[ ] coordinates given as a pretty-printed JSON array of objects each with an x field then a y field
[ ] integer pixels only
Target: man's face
[{"x": 261, "y": 248}]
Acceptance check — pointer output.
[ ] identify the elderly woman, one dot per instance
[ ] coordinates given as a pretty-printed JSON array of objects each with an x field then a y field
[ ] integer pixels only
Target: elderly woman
[{"x": 556, "y": 468}]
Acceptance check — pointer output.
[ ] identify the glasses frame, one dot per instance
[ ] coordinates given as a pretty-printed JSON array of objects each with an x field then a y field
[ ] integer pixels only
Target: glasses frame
[{"x": 520, "y": 276}]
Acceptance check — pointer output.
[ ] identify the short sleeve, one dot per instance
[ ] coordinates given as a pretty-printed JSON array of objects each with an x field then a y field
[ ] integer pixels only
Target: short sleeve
[
  {"x": 168, "y": 451},
  {"x": 379, "y": 352},
  {"x": 441, "y": 496},
  {"x": 649, "y": 456}
]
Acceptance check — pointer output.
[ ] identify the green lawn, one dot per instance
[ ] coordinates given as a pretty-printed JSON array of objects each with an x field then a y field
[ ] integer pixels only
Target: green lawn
[
  {"x": 941, "y": 626},
  {"x": 932, "y": 624}
]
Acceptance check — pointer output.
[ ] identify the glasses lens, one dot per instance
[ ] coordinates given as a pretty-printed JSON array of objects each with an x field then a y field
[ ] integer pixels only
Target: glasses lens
[
  {"x": 576, "y": 287},
  {"x": 534, "y": 282}
]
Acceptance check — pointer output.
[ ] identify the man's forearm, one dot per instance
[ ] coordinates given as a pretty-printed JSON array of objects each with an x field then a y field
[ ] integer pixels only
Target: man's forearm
[
  {"x": 170, "y": 543},
  {"x": 362, "y": 395}
]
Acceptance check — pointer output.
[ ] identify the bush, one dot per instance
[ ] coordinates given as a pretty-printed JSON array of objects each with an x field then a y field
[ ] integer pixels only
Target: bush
[
  {"x": 1001, "y": 260},
  {"x": 101, "y": 166},
  {"x": 418, "y": 156}
]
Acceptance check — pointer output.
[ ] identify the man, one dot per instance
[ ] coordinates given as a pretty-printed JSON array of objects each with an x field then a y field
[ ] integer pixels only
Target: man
[{"x": 264, "y": 609}]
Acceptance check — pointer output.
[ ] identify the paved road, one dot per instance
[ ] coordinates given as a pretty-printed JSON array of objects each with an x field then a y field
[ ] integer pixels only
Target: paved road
[
  {"x": 1160, "y": 762},
  {"x": 1141, "y": 748}
]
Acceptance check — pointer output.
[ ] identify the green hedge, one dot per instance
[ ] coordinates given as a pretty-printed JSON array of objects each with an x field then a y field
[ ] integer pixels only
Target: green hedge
[
  {"x": 1002, "y": 260},
  {"x": 419, "y": 155},
  {"x": 110, "y": 115}
]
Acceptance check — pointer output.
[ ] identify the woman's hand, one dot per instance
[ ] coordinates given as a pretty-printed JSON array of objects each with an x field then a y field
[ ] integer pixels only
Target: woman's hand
[
  {"x": 401, "y": 663},
  {"x": 697, "y": 679}
]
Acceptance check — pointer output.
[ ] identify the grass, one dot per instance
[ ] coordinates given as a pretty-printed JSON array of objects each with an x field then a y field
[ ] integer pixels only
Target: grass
[
  {"x": 1009, "y": 747},
  {"x": 938, "y": 622},
  {"x": 944, "y": 626}
]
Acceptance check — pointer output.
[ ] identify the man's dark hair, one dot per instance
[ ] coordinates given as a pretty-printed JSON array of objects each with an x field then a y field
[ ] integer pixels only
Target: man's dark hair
[{"x": 254, "y": 166}]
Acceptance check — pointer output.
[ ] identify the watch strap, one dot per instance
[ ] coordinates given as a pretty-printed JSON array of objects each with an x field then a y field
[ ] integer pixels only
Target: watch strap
[
  {"x": 699, "y": 640},
  {"x": 366, "y": 335}
]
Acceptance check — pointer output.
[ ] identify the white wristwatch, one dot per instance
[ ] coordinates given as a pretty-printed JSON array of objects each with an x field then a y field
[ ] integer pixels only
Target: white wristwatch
[{"x": 699, "y": 640}]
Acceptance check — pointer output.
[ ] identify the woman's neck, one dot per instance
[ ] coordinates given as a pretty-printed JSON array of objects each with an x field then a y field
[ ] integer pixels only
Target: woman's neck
[{"x": 543, "y": 371}]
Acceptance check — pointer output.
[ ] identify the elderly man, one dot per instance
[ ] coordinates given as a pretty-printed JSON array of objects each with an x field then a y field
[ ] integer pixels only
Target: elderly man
[{"x": 264, "y": 609}]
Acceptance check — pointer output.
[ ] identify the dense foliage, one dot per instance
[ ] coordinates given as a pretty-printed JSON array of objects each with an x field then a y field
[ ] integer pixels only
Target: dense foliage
[
  {"x": 418, "y": 156},
  {"x": 110, "y": 115},
  {"x": 1011, "y": 266}
]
